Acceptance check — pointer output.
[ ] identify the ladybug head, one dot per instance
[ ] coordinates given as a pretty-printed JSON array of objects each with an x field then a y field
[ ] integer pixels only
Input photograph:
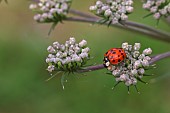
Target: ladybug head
[{"x": 106, "y": 62}]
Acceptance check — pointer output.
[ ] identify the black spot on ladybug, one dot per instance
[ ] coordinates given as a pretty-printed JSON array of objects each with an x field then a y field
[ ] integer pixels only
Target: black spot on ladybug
[
  {"x": 113, "y": 52},
  {"x": 120, "y": 50},
  {"x": 113, "y": 60},
  {"x": 121, "y": 53},
  {"x": 118, "y": 55},
  {"x": 119, "y": 60},
  {"x": 123, "y": 56}
]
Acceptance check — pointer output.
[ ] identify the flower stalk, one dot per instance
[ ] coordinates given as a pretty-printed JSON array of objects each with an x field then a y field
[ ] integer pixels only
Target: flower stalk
[{"x": 101, "y": 66}]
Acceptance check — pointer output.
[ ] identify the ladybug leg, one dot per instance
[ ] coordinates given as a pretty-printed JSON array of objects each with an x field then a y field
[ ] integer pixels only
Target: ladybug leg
[
  {"x": 115, "y": 85},
  {"x": 142, "y": 81},
  {"x": 136, "y": 89}
]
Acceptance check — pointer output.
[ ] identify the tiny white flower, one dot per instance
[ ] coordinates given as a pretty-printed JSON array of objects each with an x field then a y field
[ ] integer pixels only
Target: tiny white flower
[
  {"x": 83, "y": 55},
  {"x": 125, "y": 46},
  {"x": 137, "y": 46},
  {"x": 50, "y": 49},
  {"x": 99, "y": 3},
  {"x": 85, "y": 50},
  {"x": 129, "y": 9},
  {"x": 134, "y": 71},
  {"x": 154, "y": 9},
  {"x": 141, "y": 71},
  {"x": 83, "y": 43},
  {"x": 33, "y": 6},
  {"x": 145, "y": 63},
  {"x": 93, "y": 8},
  {"x": 137, "y": 64},
  {"x": 123, "y": 77},
  {"x": 108, "y": 13},
  {"x": 50, "y": 68},
  {"x": 147, "y": 51}
]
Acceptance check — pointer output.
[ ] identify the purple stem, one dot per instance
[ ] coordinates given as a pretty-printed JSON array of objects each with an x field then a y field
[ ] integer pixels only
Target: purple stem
[{"x": 101, "y": 66}]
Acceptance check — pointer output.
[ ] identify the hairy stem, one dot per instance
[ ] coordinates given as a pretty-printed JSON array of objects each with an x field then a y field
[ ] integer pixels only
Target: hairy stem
[
  {"x": 101, "y": 66},
  {"x": 128, "y": 25}
]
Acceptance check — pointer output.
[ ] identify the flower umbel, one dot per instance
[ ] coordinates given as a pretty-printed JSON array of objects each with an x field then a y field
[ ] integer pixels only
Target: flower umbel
[
  {"x": 112, "y": 11},
  {"x": 133, "y": 67},
  {"x": 67, "y": 57},
  {"x": 158, "y": 8},
  {"x": 50, "y": 10}
]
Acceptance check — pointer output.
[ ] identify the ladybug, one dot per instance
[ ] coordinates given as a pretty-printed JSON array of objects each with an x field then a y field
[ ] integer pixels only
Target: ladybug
[{"x": 114, "y": 56}]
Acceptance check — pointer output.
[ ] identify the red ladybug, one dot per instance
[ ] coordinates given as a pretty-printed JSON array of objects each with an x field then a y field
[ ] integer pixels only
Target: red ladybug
[{"x": 114, "y": 56}]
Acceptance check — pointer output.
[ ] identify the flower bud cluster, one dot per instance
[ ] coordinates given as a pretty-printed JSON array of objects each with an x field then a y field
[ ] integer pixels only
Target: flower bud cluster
[
  {"x": 113, "y": 11},
  {"x": 67, "y": 57},
  {"x": 159, "y": 8},
  {"x": 50, "y": 10},
  {"x": 133, "y": 67}
]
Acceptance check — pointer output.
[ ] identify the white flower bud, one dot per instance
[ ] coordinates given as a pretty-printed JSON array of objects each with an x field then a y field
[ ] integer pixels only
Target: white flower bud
[
  {"x": 107, "y": 13},
  {"x": 136, "y": 54},
  {"x": 104, "y": 8},
  {"x": 57, "y": 60},
  {"x": 163, "y": 11},
  {"x": 141, "y": 71},
  {"x": 37, "y": 17},
  {"x": 51, "y": 56},
  {"x": 154, "y": 9},
  {"x": 116, "y": 72},
  {"x": 124, "y": 17},
  {"x": 50, "y": 68},
  {"x": 157, "y": 15},
  {"x": 123, "y": 77},
  {"x": 125, "y": 46},
  {"x": 99, "y": 3},
  {"x": 141, "y": 56},
  {"x": 145, "y": 63},
  {"x": 33, "y": 6},
  {"x": 147, "y": 51},
  {"x": 83, "y": 43},
  {"x": 93, "y": 8},
  {"x": 85, "y": 50},
  {"x": 137, "y": 64},
  {"x": 136, "y": 46},
  {"x": 83, "y": 55},
  {"x": 56, "y": 45},
  {"x": 147, "y": 58},
  {"x": 50, "y": 49},
  {"x": 72, "y": 41},
  {"x": 129, "y": 9},
  {"x": 128, "y": 82},
  {"x": 134, "y": 71},
  {"x": 134, "y": 81}
]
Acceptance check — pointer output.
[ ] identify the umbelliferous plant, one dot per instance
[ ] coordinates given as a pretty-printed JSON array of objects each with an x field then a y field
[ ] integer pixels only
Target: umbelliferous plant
[{"x": 128, "y": 64}]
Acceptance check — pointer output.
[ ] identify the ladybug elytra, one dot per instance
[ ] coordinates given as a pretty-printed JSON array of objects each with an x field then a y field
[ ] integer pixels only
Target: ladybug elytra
[{"x": 114, "y": 56}]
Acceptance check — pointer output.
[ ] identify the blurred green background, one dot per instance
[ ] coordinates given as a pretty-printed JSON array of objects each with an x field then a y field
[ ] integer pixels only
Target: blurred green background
[{"x": 23, "y": 45}]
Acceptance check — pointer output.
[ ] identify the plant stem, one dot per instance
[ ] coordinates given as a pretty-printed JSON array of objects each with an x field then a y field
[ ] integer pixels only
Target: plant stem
[
  {"x": 101, "y": 66},
  {"x": 128, "y": 25}
]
